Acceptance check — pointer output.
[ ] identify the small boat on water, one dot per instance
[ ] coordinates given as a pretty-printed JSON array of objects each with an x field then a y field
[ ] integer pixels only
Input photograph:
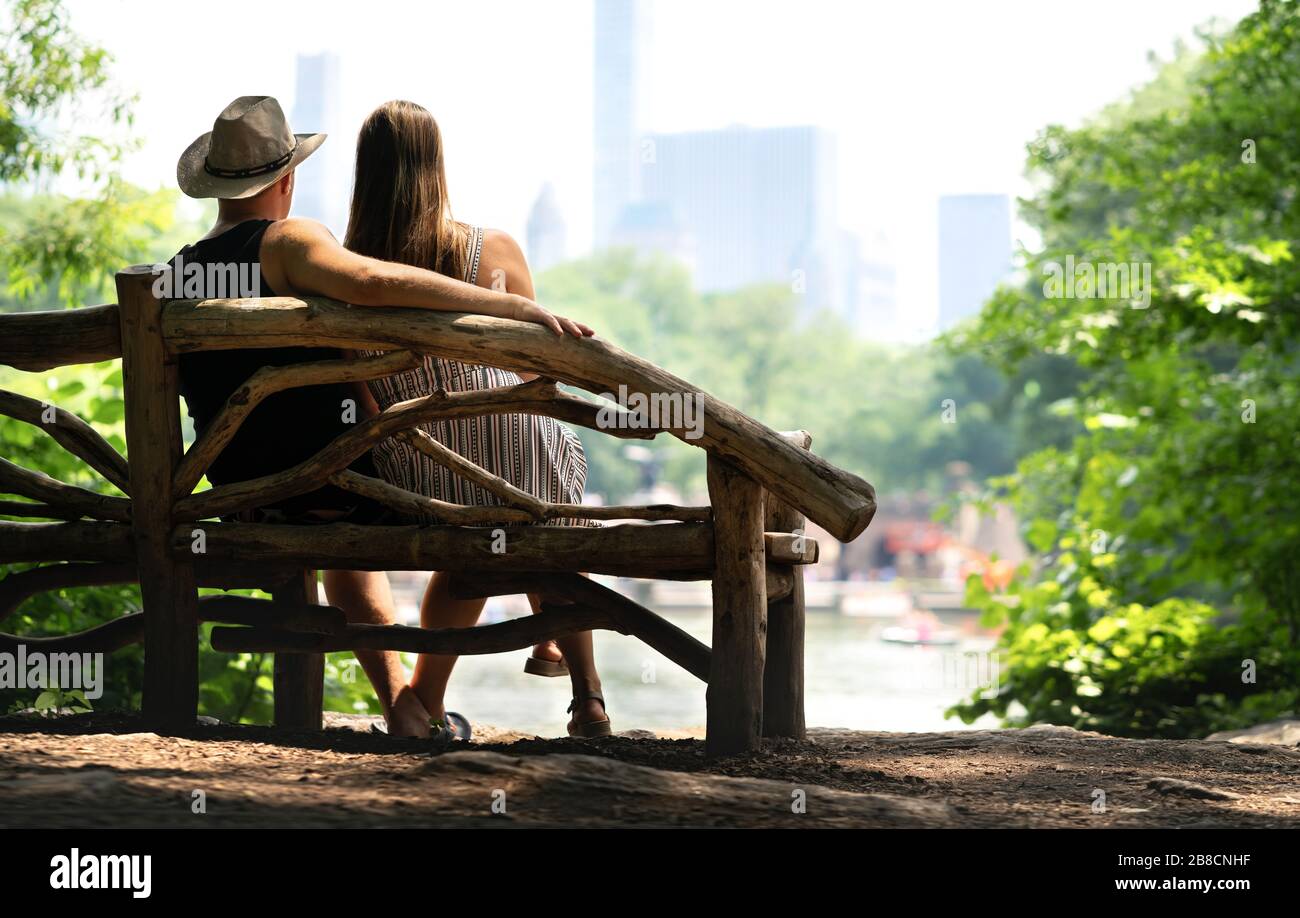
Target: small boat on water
[{"x": 920, "y": 628}]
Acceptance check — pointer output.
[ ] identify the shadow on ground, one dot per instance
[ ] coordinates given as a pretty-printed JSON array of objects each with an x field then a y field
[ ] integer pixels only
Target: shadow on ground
[{"x": 101, "y": 770}]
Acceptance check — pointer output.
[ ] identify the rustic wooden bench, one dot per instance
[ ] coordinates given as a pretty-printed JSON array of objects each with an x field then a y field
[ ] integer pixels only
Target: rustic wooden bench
[{"x": 162, "y": 534}]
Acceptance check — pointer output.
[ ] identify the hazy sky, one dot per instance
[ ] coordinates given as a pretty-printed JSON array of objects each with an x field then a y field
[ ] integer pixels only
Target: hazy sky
[{"x": 926, "y": 98}]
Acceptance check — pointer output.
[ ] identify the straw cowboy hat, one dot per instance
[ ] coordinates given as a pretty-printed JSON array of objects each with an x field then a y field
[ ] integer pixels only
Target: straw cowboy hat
[{"x": 249, "y": 148}]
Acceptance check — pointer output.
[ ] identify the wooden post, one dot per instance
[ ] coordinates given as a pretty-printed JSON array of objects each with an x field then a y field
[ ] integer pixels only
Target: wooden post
[
  {"x": 735, "y": 693},
  {"x": 783, "y": 706},
  {"x": 299, "y": 677},
  {"x": 783, "y": 672},
  {"x": 153, "y": 437}
]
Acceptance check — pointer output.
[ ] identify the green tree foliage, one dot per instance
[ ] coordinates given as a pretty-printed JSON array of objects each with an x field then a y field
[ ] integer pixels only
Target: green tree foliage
[
  {"x": 873, "y": 408},
  {"x": 1170, "y": 526},
  {"x": 57, "y": 245},
  {"x": 61, "y": 247}
]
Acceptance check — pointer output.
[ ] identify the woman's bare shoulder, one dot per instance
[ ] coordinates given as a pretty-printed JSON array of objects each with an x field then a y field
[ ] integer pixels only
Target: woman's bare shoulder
[
  {"x": 500, "y": 246},
  {"x": 503, "y": 259}
]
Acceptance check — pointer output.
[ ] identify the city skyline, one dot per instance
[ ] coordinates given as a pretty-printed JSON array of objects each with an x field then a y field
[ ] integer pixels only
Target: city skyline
[
  {"x": 619, "y": 89},
  {"x": 316, "y": 94},
  {"x": 881, "y": 77},
  {"x": 974, "y": 252}
]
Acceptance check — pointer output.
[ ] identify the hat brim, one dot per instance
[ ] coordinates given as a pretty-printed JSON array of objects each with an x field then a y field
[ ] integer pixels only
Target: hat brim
[{"x": 196, "y": 181}]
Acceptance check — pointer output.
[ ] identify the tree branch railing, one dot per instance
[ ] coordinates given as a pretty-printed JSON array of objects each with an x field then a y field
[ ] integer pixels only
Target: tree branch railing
[
  {"x": 538, "y": 396},
  {"x": 72, "y": 433},
  {"x": 268, "y": 381},
  {"x": 839, "y": 501},
  {"x": 105, "y": 539}
]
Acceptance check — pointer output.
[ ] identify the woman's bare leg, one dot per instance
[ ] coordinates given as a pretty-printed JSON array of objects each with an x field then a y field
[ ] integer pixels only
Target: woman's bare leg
[
  {"x": 580, "y": 656},
  {"x": 440, "y": 610}
]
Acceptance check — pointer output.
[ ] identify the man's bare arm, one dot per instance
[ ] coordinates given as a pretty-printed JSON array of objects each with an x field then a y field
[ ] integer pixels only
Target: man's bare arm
[{"x": 311, "y": 262}]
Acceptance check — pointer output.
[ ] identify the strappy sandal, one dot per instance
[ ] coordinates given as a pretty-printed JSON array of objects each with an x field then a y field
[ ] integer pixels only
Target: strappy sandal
[
  {"x": 441, "y": 733},
  {"x": 594, "y": 728}
]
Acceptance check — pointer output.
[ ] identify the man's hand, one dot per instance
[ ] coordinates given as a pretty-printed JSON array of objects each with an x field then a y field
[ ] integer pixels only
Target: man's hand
[{"x": 528, "y": 311}]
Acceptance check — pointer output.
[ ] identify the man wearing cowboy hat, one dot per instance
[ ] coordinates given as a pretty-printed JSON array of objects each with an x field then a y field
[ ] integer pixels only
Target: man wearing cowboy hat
[{"x": 247, "y": 163}]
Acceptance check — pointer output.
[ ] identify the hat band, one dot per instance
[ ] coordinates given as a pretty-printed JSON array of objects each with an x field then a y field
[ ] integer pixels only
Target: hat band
[{"x": 248, "y": 173}]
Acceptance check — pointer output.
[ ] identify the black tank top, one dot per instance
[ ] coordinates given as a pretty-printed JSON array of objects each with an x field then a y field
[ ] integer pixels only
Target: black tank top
[{"x": 288, "y": 427}]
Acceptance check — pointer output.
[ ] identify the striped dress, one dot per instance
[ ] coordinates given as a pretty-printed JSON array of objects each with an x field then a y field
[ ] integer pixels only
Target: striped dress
[{"x": 536, "y": 454}]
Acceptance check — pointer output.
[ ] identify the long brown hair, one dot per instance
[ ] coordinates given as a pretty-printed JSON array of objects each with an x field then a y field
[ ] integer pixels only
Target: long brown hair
[{"x": 400, "y": 210}]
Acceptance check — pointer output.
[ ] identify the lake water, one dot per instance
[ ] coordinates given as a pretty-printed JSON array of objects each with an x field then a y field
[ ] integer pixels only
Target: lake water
[{"x": 853, "y": 680}]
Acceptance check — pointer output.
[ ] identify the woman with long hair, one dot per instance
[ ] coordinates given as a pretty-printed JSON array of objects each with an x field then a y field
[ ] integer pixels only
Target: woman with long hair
[{"x": 400, "y": 212}]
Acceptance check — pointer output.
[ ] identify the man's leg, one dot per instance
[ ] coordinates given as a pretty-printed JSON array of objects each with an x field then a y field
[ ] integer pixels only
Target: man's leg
[{"x": 365, "y": 598}]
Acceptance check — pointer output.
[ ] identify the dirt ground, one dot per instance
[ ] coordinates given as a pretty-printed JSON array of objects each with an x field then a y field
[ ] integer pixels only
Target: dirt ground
[{"x": 100, "y": 770}]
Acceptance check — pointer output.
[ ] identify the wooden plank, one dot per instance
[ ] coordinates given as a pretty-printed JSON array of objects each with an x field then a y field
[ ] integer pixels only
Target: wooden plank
[
  {"x": 37, "y": 511},
  {"x": 19, "y": 586},
  {"x": 73, "y": 541},
  {"x": 789, "y": 548},
  {"x": 153, "y": 436},
  {"x": 735, "y": 694},
  {"x": 839, "y": 501},
  {"x": 672, "y": 550},
  {"x": 501, "y": 637},
  {"x": 38, "y": 341},
  {"x": 299, "y": 677},
  {"x": 129, "y": 629},
  {"x": 273, "y": 613}
]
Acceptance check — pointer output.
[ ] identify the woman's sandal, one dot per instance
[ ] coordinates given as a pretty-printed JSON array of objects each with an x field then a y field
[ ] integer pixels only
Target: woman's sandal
[
  {"x": 536, "y": 666},
  {"x": 549, "y": 668},
  {"x": 594, "y": 728},
  {"x": 441, "y": 733}
]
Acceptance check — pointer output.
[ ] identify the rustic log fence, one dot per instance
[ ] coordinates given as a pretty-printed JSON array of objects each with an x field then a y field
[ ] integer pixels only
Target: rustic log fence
[{"x": 749, "y": 542}]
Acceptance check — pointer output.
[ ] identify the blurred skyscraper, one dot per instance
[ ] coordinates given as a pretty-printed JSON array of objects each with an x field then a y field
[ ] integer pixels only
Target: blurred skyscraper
[
  {"x": 654, "y": 226},
  {"x": 870, "y": 277},
  {"x": 323, "y": 183},
  {"x": 876, "y": 314},
  {"x": 974, "y": 252},
  {"x": 738, "y": 206},
  {"x": 547, "y": 235},
  {"x": 759, "y": 204},
  {"x": 622, "y": 29}
]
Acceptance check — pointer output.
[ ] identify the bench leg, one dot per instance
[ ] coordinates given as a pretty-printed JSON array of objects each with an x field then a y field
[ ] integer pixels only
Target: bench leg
[
  {"x": 783, "y": 713},
  {"x": 170, "y": 695},
  {"x": 299, "y": 677},
  {"x": 783, "y": 706},
  {"x": 735, "y": 693}
]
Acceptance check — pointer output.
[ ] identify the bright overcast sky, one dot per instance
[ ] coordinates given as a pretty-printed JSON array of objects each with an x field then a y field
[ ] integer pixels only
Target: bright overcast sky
[{"x": 926, "y": 98}]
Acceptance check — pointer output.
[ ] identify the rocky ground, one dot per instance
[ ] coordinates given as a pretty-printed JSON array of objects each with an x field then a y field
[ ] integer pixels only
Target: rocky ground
[{"x": 100, "y": 770}]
